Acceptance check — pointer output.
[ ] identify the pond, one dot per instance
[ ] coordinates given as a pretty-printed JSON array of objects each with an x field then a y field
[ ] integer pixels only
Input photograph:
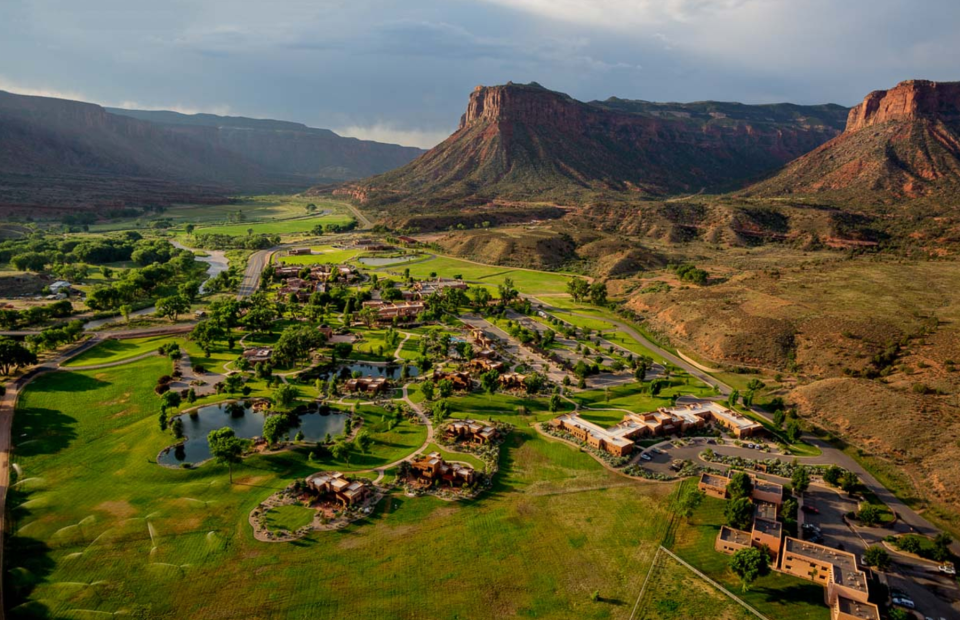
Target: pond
[
  {"x": 314, "y": 424},
  {"x": 383, "y": 261}
]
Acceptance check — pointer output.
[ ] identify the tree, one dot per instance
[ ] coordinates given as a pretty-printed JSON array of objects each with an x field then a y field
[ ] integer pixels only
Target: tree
[
  {"x": 285, "y": 396},
  {"x": 749, "y": 564},
  {"x": 489, "y": 380},
  {"x": 832, "y": 475},
  {"x": 898, "y": 613},
  {"x": 507, "y": 291},
  {"x": 739, "y": 513},
  {"x": 598, "y": 293},
  {"x": 778, "y": 418},
  {"x": 14, "y": 355},
  {"x": 941, "y": 547},
  {"x": 226, "y": 448},
  {"x": 877, "y": 557},
  {"x": 688, "y": 502},
  {"x": 555, "y": 403},
  {"x": 295, "y": 344},
  {"x": 869, "y": 515},
  {"x": 800, "y": 479},
  {"x": 793, "y": 431},
  {"x": 170, "y": 400},
  {"x": 363, "y": 440},
  {"x": 340, "y": 451},
  {"x": 173, "y": 306},
  {"x": 578, "y": 289},
  {"x": 445, "y": 387},
  {"x": 733, "y": 398},
  {"x": 233, "y": 382},
  {"x": 274, "y": 426},
  {"x": 427, "y": 389},
  {"x": 740, "y": 486},
  {"x": 849, "y": 483}
]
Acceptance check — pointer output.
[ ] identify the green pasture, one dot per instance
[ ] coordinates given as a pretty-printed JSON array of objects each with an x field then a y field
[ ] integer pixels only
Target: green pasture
[{"x": 111, "y": 351}]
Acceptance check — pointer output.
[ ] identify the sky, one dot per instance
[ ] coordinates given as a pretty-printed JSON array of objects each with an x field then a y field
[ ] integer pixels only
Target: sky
[{"x": 401, "y": 71}]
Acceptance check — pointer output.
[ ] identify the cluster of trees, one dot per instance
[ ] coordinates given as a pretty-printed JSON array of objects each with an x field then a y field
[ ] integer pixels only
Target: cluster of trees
[
  {"x": 321, "y": 229},
  {"x": 690, "y": 273},
  {"x": 137, "y": 284},
  {"x": 13, "y": 355},
  {"x": 53, "y": 337},
  {"x": 581, "y": 290},
  {"x": 38, "y": 251},
  {"x": 938, "y": 551},
  {"x": 13, "y": 319},
  {"x": 739, "y": 510},
  {"x": 213, "y": 241}
]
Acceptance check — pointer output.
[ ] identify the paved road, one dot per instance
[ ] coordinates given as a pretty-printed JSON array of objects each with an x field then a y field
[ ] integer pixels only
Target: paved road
[{"x": 251, "y": 277}]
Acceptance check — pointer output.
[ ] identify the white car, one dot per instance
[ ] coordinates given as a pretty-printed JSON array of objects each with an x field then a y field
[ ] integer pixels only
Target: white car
[
  {"x": 646, "y": 457},
  {"x": 948, "y": 569},
  {"x": 904, "y": 602}
]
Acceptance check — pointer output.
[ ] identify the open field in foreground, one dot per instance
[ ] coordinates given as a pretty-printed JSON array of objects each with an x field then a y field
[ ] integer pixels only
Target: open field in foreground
[
  {"x": 100, "y": 528},
  {"x": 675, "y": 592}
]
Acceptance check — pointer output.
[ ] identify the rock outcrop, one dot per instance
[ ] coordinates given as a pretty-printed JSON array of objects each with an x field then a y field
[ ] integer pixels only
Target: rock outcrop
[
  {"x": 523, "y": 142},
  {"x": 899, "y": 145}
]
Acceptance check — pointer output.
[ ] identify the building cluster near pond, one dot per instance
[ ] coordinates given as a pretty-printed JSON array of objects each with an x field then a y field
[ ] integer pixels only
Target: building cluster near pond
[
  {"x": 619, "y": 439},
  {"x": 334, "y": 484}
]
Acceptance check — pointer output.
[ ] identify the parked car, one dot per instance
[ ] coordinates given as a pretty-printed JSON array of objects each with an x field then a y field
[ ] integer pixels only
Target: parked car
[
  {"x": 904, "y": 602},
  {"x": 810, "y": 509},
  {"x": 948, "y": 568},
  {"x": 646, "y": 457}
]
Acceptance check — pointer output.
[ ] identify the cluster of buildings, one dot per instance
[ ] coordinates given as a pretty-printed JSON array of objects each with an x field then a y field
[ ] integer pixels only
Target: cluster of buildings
[
  {"x": 471, "y": 431},
  {"x": 334, "y": 484},
  {"x": 845, "y": 584},
  {"x": 316, "y": 279},
  {"x": 257, "y": 354},
  {"x": 619, "y": 439},
  {"x": 387, "y": 311},
  {"x": 431, "y": 467},
  {"x": 425, "y": 288},
  {"x": 366, "y": 385},
  {"x": 460, "y": 380}
]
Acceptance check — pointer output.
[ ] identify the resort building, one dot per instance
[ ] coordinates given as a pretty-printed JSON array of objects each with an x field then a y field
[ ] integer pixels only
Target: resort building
[
  {"x": 730, "y": 541},
  {"x": 300, "y": 252},
  {"x": 471, "y": 431},
  {"x": 765, "y": 491},
  {"x": 258, "y": 354},
  {"x": 769, "y": 533},
  {"x": 845, "y": 584},
  {"x": 334, "y": 483},
  {"x": 386, "y": 312},
  {"x": 367, "y": 385},
  {"x": 407, "y": 240},
  {"x": 512, "y": 381},
  {"x": 483, "y": 364},
  {"x": 714, "y": 485},
  {"x": 429, "y": 287},
  {"x": 460, "y": 380},
  {"x": 432, "y": 467},
  {"x": 593, "y": 435}
]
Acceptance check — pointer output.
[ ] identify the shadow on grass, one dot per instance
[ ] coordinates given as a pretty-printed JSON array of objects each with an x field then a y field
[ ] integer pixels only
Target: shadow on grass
[
  {"x": 28, "y": 563},
  {"x": 38, "y": 430}
]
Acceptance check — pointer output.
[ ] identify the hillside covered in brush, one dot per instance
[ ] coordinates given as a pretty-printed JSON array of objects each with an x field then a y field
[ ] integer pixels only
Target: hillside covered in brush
[{"x": 527, "y": 143}]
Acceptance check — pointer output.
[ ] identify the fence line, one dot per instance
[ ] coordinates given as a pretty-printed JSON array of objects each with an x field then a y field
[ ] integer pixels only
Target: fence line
[
  {"x": 643, "y": 588},
  {"x": 714, "y": 584}
]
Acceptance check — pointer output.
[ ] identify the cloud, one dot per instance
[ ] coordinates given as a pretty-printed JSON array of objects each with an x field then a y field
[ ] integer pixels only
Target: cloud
[
  {"x": 21, "y": 89},
  {"x": 623, "y": 14},
  {"x": 391, "y": 134},
  {"x": 220, "y": 109}
]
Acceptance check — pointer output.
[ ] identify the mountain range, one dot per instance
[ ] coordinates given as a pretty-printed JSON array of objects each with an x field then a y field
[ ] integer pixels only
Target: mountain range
[
  {"x": 56, "y": 153},
  {"x": 525, "y": 142}
]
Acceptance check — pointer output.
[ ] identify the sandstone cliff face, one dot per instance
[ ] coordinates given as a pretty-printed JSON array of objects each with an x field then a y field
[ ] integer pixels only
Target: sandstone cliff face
[
  {"x": 910, "y": 100},
  {"x": 523, "y": 142},
  {"x": 900, "y": 144}
]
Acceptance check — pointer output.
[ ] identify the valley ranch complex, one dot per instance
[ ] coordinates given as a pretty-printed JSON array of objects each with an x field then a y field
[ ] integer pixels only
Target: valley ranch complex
[{"x": 619, "y": 440}]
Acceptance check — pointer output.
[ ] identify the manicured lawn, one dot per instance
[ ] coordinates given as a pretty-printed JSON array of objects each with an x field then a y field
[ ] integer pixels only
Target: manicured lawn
[
  {"x": 290, "y": 518},
  {"x": 324, "y": 254},
  {"x": 278, "y": 227},
  {"x": 110, "y": 351},
  {"x": 776, "y": 595},
  {"x": 98, "y": 527},
  {"x": 632, "y": 397},
  {"x": 526, "y": 281}
]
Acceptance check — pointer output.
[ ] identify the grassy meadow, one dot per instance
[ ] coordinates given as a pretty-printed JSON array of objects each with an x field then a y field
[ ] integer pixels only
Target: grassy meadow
[{"x": 99, "y": 528}]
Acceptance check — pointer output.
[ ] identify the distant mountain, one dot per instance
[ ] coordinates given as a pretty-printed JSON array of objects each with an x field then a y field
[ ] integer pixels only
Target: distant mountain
[
  {"x": 527, "y": 143},
  {"x": 283, "y": 147},
  {"x": 899, "y": 144},
  {"x": 56, "y": 153}
]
